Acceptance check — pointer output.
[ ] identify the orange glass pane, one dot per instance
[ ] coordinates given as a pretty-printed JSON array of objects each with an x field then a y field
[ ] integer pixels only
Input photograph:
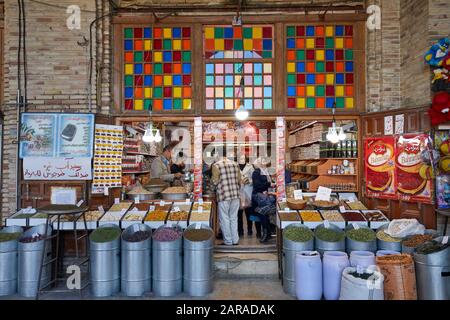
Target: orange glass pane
[
  {"x": 186, "y": 44},
  {"x": 237, "y": 32},
  {"x": 320, "y": 31},
  {"x": 300, "y": 43},
  {"x": 158, "y": 80},
  {"x": 320, "y": 102},
  {"x": 339, "y": 67},
  {"x": 311, "y": 67},
  {"x": 320, "y": 78},
  {"x": 349, "y": 43},
  {"x": 157, "y": 33},
  {"x": 349, "y": 91},
  {"x": 157, "y": 104},
  {"x": 129, "y": 57},
  {"x": 209, "y": 44},
  {"x": 257, "y": 44},
  {"x": 138, "y": 93},
  {"x": 148, "y": 68},
  {"x": 300, "y": 91},
  {"x": 187, "y": 92},
  {"x": 176, "y": 68},
  {"x": 138, "y": 45},
  {"x": 291, "y": 55}
]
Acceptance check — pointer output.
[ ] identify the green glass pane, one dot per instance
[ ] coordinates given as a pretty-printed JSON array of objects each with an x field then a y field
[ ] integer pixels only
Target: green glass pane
[
  {"x": 177, "y": 104},
  {"x": 257, "y": 80},
  {"x": 128, "y": 33},
  {"x": 157, "y": 92},
  {"x": 138, "y": 56},
  {"x": 320, "y": 67},
  {"x": 248, "y": 33},
  {"x": 147, "y": 104},
  {"x": 238, "y": 45},
  {"x": 340, "y": 103},
  {"x": 157, "y": 68},
  {"x": 267, "y": 104},
  {"x": 290, "y": 31},
  {"x": 209, "y": 80},
  {"x": 320, "y": 91},
  {"x": 229, "y": 92},
  {"x": 167, "y": 44},
  {"x": 128, "y": 81},
  {"x": 310, "y": 102},
  {"x": 186, "y": 56},
  {"x": 300, "y": 54},
  {"x": 267, "y": 54},
  {"x": 291, "y": 79},
  {"x": 218, "y": 32},
  {"x": 329, "y": 43},
  {"x": 238, "y": 68},
  {"x": 348, "y": 54}
]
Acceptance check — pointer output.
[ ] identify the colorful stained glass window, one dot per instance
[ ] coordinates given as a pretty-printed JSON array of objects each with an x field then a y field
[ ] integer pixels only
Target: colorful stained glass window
[
  {"x": 157, "y": 68},
  {"x": 320, "y": 66},
  {"x": 244, "y": 52}
]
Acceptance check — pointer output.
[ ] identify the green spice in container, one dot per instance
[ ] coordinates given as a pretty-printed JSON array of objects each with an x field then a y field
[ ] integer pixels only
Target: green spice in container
[
  {"x": 106, "y": 234},
  {"x": 330, "y": 235},
  {"x": 298, "y": 234},
  {"x": 22, "y": 216},
  {"x": 4, "y": 237},
  {"x": 431, "y": 247},
  {"x": 40, "y": 216},
  {"x": 361, "y": 235}
]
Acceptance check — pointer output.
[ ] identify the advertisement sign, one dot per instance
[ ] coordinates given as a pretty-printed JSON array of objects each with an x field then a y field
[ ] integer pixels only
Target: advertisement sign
[
  {"x": 442, "y": 145},
  {"x": 45, "y": 168},
  {"x": 380, "y": 167}
]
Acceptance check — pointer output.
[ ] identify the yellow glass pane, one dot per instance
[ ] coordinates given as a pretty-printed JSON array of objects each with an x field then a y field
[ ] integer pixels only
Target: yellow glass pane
[
  {"x": 291, "y": 67},
  {"x": 219, "y": 45},
  {"x": 248, "y": 92},
  {"x": 330, "y": 79},
  {"x": 329, "y": 32},
  {"x": 257, "y": 33},
  {"x": 219, "y": 92},
  {"x": 167, "y": 80},
  {"x": 320, "y": 55},
  {"x": 310, "y": 43},
  {"x": 157, "y": 56},
  {"x": 267, "y": 68},
  {"x": 148, "y": 45},
  {"x": 138, "y": 105},
  {"x": 186, "y": 104},
  {"x": 148, "y": 92},
  {"x": 177, "y": 92},
  {"x": 339, "y": 43},
  {"x": 301, "y": 103},
  {"x": 237, "y": 80},
  {"x": 209, "y": 33},
  {"x": 339, "y": 91},
  {"x": 310, "y": 91},
  {"x": 176, "y": 45},
  {"x": 167, "y": 33},
  {"x": 129, "y": 68},
  {"x": 229, "y": 104},
  {"x": 349, "y": 103},
  {"x": 248, "y": 44}
]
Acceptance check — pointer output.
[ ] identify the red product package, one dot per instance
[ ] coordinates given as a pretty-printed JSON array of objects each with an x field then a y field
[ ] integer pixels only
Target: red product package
[
  {"x": 414, "y": 177},
  {"x": 379, "y": 161}
]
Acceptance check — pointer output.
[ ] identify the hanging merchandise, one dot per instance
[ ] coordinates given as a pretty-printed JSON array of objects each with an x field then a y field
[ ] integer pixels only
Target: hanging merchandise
[
  {"x": 442, "y": 145},
  {"x": 413, "y": 176},
  {"x": 440, "y": 80},
  {"x": 380, "y": 167},
  {"x": 440, "y": 109},
  {"x": 435, "y": 56}
]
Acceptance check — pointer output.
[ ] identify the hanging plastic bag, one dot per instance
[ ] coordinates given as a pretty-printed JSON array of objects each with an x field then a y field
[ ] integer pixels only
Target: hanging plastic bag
[
  {"x": 246, "y": 196},
  {"x": 401, "y": 228}
]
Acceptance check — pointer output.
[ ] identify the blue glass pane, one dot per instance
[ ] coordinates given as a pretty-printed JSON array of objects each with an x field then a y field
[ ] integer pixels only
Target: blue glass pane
[
  {"x": 257, "y": 68},
  {"x": 138, "y": 68},
  {"x": 176, "y": 32},
  {"x": 267, "y": 92},
  {"x": 340, "y": 78},
  {"x": 311, "y": 79},
  {"x": 147, "y": 33},
  {"x": 330, "y": 55},
  {"x": 339, "y": 30},
  {"x": 310, "y": 31},
  {"x": 209, "y": 68},
  {"x": 300, "y": 67},
  {"x": 267, "y": 44},
  {"x": 177, "y": 80},
  {"x": 186, "y": 68},
  {"x": 219, "y": 104},
  {"x": 349, "y": 66},
  {"x": 291, "y": 92},
  {"x": 228, "y": 33},
  {"x": 148, "y": 80},
  {"x": 330, "y": 102},
  {"x": 167, "y": 56},
  {"x": 167, "y": 104},
  {"x": 128, "y": 45},
  {"x": 248, "y": 104},
  {"x": 228, "y": 80},
  {"x": 128, "y": 92}
]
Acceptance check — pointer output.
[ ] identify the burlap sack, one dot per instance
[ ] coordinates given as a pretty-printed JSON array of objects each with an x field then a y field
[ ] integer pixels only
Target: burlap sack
[{"x": 399, "y": 277}]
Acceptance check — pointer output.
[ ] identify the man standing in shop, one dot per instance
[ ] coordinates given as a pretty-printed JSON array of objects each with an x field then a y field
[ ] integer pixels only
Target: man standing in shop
[
  {"x": 226, "y": 176},
  {"x": 161, "y": 166}
]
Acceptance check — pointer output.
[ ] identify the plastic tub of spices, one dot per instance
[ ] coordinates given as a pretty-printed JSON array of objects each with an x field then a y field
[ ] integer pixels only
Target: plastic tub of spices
[{"x": 360, "y": 239}]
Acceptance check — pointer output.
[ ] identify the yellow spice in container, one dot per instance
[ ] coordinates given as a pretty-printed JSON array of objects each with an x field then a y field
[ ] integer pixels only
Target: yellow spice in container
[
  {"x": 311, "y": 216},
  {"x": 156, "y": 215}
]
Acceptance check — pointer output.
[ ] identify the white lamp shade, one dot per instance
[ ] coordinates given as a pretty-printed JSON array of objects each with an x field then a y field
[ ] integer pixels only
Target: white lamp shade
[
  {"x": 157, "y": 136},
  {"x": 148, "y": 136},
  {"x": 241, "y": 114}
]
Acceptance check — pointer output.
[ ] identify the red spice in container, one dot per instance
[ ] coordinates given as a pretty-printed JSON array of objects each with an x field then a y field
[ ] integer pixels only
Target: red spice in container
[{"x": 351, "y": 216}]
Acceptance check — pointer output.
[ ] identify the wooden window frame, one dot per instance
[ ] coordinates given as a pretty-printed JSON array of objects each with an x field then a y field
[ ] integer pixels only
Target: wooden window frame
[{"x": 197, "y": 23}]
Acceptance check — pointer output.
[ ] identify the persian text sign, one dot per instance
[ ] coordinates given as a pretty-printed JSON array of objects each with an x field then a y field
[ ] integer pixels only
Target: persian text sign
[{"x": 46, "y": 168}]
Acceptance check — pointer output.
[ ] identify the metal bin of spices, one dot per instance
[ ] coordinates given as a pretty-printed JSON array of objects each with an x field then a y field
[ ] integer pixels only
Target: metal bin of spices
[
  {"x": 386, "y": 242},
  {"x": 330, "y": 238},
  {"x": 8, "y": 259},
  {"x": 360, "y": 239}
]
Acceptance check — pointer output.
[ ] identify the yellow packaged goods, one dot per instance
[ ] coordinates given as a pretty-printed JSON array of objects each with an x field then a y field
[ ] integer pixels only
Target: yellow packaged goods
[
  {"x": 120, "y": 206},
  {"x": 332, "y": 215},
  {"x": 175, "y": 190},
  {"x": 310, "y": 216},
  {"x": 197, "y": 216},
  {"x": 206, "y": 206},
  {"x": 358, "y": 205},
  {"x": 93, "y": 215},
  {"x": 156, "y": 215},
  {"x": 178, "y": 216}
]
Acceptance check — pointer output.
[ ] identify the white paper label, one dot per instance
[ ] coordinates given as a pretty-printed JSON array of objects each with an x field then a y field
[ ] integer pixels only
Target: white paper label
[
  {"x": 283, "y": 200},
  {"x": 151, "y": 208},
  {"x": 80, "y": 202},
  {"x": 198, "y": 226},
  {"x": 200, "y": 201},
  {"x": 116, "y": 200},
  {"x": 323, "y": 194},
  {"x": 135, "y": 209},
  {"x": 162, "y": 203},
  {"x": 106, "y": 191},
  {"x": 445, "y": 240},
  {"x": 188, "y": 201},
  {"x": 123, "y": 211},
  {"x": 176, "y": 209},
  {"x": 326, "y": 224},
  {"x": 359, "y": 269},
  {"x": 137, "y": 200},
  {"x": 101, "y": 209},
  {"x": 298, "y": 194},
  {"x": 355, "y": 226},
  {"x": 200, "y": 209},
  {"x": 342, "y": 209}
]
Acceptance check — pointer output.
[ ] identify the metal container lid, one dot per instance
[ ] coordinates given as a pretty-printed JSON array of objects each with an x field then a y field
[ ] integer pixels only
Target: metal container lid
[
  {"x": 439, "y": 258},
  {"x": 11, "y": 245}
]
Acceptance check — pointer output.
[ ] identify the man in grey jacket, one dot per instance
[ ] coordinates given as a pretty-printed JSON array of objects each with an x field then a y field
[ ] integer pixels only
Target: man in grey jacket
[{"x": 161, "y": 166}]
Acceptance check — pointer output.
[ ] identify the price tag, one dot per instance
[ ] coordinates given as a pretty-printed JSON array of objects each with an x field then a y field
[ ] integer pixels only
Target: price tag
[
  {"x": 323, "y": 194},
  {"x": 116, "y": 200},
  {"x": 151, "y": 208},
  {"x": 342, "y": 209},
  {"x": 198, "y": 226},
  {"x": 122, "y": 212},
  {"x": 445, "y": 240},
  {"x": 80, "y": 202},
  {"x": 359, "y": 269},
  {"x": 298, "y": 194},
  {"x": 200, "y": 209},
  {"x": 135, "y": 209},
  {"x": 188, "y": 201},
  {"x": 106, "y": 191},
  {"x": 355, "y": 225},
  {"x": 162, "y": 203},
  {"x": 137, "y": 200},
  {"x": 283, "y": 200},
  {"x": 200, "y": 201},
  {"x": 101, "y": 209},
  {"x": 326, "y": 223},
  {"x": 176, "y": 209}
]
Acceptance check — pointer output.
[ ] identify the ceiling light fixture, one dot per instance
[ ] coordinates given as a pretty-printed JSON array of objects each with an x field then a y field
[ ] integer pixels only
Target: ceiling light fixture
[{"x": 335, "y": 134}]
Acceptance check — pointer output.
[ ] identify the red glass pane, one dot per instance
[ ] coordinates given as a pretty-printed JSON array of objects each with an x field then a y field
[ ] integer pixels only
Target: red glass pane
[
  {"x": 157, "y": 33},
  {"x": 267, "y": 32},
  {"x": 138, "y": 81},
  {"x": 167, "y": 67},
  {"x": 291, "y": 103},
  {"x": 330, "y": 90},
  {"x": 349, "y": 31},
  {"x": 147, "y": 56},
  {"x": 320, "y": 43},
  {"x": 339, "y": 54},
  {"x": 329, "y": 67},
  {"x": 301, "y": 79},
  {"x": 310, "y": 54},
  {"x": 186, "y": 80},
  {"x": 157, "y": 44},
  {"x": 176, "y": 56},
  {"x": 228, "y": 44},
  {"x": 349, "y": 78},
  {"x": 167, "y": 92},
  {"x": 186, "y": 32},
  {"x": 128, "y": 104},
  {"x": 300, "y": 31},
  {"x": 138, "y": 32}
]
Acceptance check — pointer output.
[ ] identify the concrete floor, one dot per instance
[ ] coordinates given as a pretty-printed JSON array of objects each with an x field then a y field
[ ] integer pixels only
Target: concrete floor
[{"x": 224, "y": 289}]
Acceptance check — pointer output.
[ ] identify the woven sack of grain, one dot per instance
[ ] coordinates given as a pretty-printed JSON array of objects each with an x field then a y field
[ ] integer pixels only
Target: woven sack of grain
[{"x": 399, "y": 277}]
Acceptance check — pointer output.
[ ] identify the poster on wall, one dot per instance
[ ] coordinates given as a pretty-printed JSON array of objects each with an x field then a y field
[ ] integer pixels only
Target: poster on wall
[
  {"x": 414, "y": 177},
  {"x": 280, "y": 158},
  {"x": 380, "y": 167},
  {"x": 107, "y": 157},
  {"x": 442, "y": 145},
  {"x": 49, "y": 168},
  {"x": 56, "y": 135}
]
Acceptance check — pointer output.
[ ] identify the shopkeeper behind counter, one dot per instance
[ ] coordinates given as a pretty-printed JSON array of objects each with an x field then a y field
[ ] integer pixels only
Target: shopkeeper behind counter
[{"x": 161, "y": 166}]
